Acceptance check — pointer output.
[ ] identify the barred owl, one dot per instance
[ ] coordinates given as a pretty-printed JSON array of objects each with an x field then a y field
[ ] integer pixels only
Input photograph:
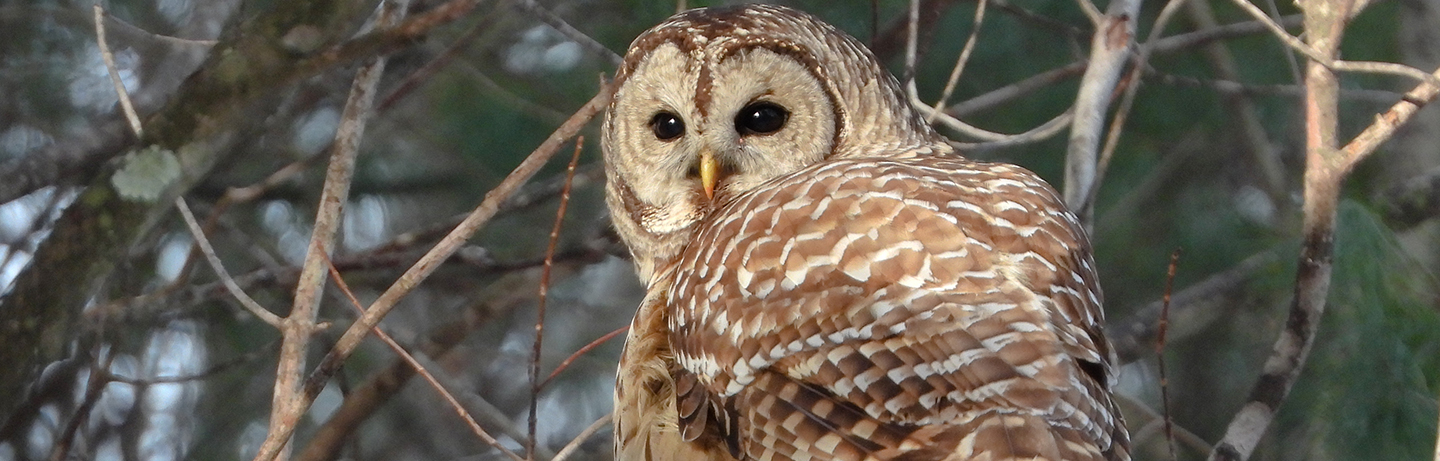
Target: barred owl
[{"x": 827, "y": 278}]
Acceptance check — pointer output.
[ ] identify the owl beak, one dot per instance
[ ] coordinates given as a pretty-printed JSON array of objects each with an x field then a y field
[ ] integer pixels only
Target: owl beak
[{"x": 709, "y": 172}]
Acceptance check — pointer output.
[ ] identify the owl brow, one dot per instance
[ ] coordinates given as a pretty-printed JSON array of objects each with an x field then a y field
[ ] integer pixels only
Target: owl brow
[
  {"x": 653, "y": 40},
  {"x": 704, "y": 85}
]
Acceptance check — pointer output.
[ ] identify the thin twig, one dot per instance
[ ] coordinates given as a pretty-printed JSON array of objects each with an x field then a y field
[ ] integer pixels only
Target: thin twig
[
  {"x": 300, "y": 324},
  {"x": 568, "y": 31},
  {"x": 412, "y": 81},
  {"x": 1160, "y": 352},
  {"x": 127, "y": 107},
  {"x": 249, "y": 357},
  {"x": 1386, "y": 123},
  {"x": 419, "y": 369},
  {"x": 1041, "y": 132},
  {"x": 912, "y": 36},
  {"x": 582, "y": 351},
  {"x": 1225, "y": 86},
  {"x": 1182, "y": 434},
  {"x": 1330, "y": 62},
  {"x": 960, "y": 62},
  {"x": 1045, "y": 131},
  {"x": 1091, "y": 11},
  {"x": 544, "y": 290},
  {"x": 1134, "y": 335},
  {"x": 94, "y": 389},
  {"x": 1274, "y": 13},
  {"x": 219, "y": 268},
  {"x": 483, "y": 411},
  {"x": 574, "y": 445},
  {"x": 498, "y": 299},
  {"x": 1244, "y": 115},
  {"x": 999, "y": 96},
  {"x": 1189, "y": 40},
  {"x": 126, "y": 27},
  {"x": 439, "y": 253}
]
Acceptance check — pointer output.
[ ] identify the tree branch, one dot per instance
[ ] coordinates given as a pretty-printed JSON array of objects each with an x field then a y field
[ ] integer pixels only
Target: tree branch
[
  {"x": 1325, "y": 170},
  {"x": 1109, "y": 49},
  {"x": 432, "y": 260},
  {"x": 300, "y": 324}
]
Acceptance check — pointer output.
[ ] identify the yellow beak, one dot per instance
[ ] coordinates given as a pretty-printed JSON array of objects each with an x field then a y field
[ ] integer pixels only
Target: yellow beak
[{"x": 709, "y": 172}]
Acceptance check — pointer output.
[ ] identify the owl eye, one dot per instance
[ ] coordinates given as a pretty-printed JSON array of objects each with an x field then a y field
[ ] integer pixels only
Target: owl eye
[
  {"x": 667, "y": 126},
  {"x": 761, "y": 118}
]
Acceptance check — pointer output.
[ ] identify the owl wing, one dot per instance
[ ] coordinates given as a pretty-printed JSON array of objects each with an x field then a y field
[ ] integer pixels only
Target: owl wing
[{"x": 921, "y": 308}]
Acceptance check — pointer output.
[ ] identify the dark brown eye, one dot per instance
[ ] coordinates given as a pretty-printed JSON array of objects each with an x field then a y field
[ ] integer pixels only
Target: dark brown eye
[
  {"x": 667, "y": 126},
  {"x": 761, "y": 118}
]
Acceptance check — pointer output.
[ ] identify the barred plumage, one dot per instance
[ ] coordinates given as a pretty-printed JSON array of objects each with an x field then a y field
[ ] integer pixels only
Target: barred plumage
[{"x": 853, "y": 289}]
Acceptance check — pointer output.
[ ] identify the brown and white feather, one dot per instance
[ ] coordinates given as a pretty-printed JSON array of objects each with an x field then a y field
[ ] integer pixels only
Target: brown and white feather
[{"x": 854, "y": 290}]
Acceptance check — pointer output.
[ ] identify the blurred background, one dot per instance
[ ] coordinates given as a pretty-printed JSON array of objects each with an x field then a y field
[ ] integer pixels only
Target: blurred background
[{"x": 159, "y": 362}]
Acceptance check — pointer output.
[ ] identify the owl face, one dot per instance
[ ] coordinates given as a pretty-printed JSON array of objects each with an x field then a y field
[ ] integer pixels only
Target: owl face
[
  {"x": 714, "y": 102},
  {"x": 700, "y": 130}
]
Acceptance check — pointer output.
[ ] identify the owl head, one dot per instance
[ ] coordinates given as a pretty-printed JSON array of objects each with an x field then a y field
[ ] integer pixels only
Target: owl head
[{"x": 714, "y": 102}]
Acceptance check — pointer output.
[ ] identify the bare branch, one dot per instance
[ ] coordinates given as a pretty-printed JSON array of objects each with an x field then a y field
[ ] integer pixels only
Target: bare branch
[
  {"x": 94, "y": 388},
  {"x": 1109, "y": 49},
  {"x": 1191, "y": 40},
  {"x": 483, "y": 411},
  {"x": 1191, "y": 308},
  {"x": 1156, "y": 422},
  {"x": 1171, "y": 44},
  {"x": 1091, "y": 11},
  {"x": 582, "y": 351},
  {"x": 544, "y": 291},
  {"x": 497, "y": 300},
  {"x": 999, "y": 96},
  {"x": 1386, "y": 123},
  {"x": 912, "y": 36},
  {"x": 574, "y": 445},
  {"x": 570, "y": 32},
  {"x": 163, "y": 38},
  {"x": 437, "y": 255},
  {"x": 1112, "y": 139},
  {"x": 217, "y": 109},
  {"x": 300, "y": 324},
  {"x": 1225, "y": 86},
  {"x": 1330, "y": 62},
  {"x": 960, "y": 62},
  {"x": 1164, "y": 326},
  {"x": 109, "y": 58},
  {"x": 1045, "y": 131},
  {"x": 219, "y": 268},
  {"x": 415, "y": 365},
  {"x": 78, "y": 158},
  {"x": 203, "y": 243},
  {"x": 1325, "y": 170}
]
